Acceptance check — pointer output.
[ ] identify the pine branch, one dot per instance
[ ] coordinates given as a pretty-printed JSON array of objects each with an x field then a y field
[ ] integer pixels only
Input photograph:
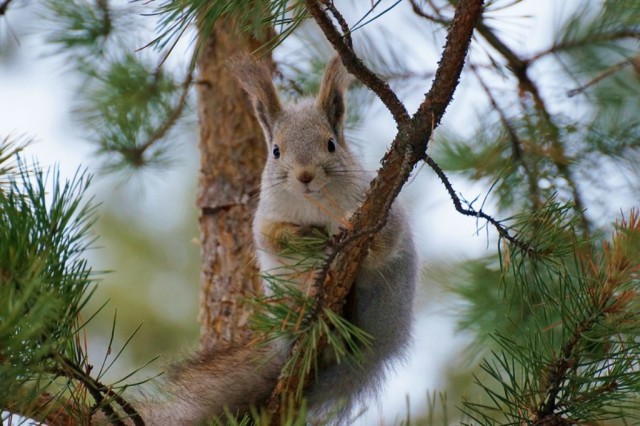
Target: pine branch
[
  {"x": 344, "y": 27},
  {"x": 611, "y": 291},
  {"x": 519, "y": 67},
  {"x": 577, "y": 358},
  {"x": 516, "y": 143},
  {"x": 45, "y": 283},
  {"x": 45, "y": 408},
  {"x": 101, "y": 394},
  {"x": 169, "y": 122},
  {"x": 98, "y": 391},
  {"x": 557, "y": 373},
  {"x": 407, "y": 150},
  {"x": 130, "y": 107},
  {"x": 82, "y": 29}
]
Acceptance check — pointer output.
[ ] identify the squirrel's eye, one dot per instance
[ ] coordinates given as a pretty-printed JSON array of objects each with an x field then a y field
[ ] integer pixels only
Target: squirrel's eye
[
  {"x": 276, "y": 151},
  {"x": 331, "y": 145}
]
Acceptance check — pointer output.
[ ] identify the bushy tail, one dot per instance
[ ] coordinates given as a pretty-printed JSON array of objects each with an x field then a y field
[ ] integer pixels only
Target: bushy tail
[{"x": 210, "y": 384}]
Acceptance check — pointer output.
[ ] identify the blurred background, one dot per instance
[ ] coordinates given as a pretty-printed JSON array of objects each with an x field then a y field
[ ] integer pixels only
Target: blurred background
[{"x": 147, "y": 238}]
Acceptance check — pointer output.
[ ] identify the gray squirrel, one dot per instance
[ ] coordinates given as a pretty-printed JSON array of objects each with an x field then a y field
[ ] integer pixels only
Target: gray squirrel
[{"x": 311, "y": 180}]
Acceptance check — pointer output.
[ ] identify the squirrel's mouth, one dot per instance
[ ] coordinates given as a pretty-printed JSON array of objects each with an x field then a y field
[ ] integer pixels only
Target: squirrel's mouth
[
  {"x": 309, "y": 189},
  {"x": 313, "y": 189}
]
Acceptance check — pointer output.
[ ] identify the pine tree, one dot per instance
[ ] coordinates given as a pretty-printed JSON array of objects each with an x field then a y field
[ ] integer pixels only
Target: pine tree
[{"x": 554, "y": 309}]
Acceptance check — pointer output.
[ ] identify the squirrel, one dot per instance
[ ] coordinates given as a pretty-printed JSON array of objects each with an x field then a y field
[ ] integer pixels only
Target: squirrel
[{"x": 311, "y": 182}]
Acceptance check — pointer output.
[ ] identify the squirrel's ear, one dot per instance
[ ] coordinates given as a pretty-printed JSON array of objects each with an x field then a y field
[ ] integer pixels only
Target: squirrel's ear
[
  {"x": 255, "y": 78},
  {"x": 331, "y": 97}
]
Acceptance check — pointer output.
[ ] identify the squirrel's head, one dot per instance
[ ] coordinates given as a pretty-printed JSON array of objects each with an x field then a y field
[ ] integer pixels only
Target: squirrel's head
[{"x": 307, "y": 148}]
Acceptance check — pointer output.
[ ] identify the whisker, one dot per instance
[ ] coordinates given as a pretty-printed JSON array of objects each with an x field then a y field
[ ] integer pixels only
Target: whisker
[
  {"x": 334, "y": 169},
  {"x": 285, "y": 164},
  {"x": 274, "y": 178},
  {"x": 274, "y": 185}
]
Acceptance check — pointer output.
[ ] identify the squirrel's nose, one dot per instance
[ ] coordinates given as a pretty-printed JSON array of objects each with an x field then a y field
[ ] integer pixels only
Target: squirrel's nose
[{"x": 305, "y": 176}]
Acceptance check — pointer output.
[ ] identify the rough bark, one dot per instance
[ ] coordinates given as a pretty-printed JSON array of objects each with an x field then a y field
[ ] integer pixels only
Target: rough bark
[{"x": 232, "y": 157}]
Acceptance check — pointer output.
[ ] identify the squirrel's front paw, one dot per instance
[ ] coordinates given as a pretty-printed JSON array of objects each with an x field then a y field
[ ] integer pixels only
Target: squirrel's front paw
[{"x": 284, "y": 236}]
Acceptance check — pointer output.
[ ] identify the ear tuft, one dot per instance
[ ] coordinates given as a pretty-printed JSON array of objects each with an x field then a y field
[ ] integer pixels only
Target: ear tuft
[
  {"x": 331, "y": 97},
  {"x": 255, "y": 78}
]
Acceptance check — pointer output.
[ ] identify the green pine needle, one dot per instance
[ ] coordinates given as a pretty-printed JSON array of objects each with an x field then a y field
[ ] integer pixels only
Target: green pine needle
[
  {"x": 574, "y": 355},
  {"x": 44, "y": 280},
  {"x": 79, "y": 26}
]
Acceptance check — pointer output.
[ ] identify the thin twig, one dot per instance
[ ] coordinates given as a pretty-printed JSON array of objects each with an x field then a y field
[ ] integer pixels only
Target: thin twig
[
  {"x": 420, "y": 12},
  {"x": 103, "y": 5},
  {"x": 173, "y": 117},
  {"x": 518, "y": 67},
  {"x": 606, "y": 73},
  {"x": 516, "y": 143},
  {"x": 355, "y": 65},
  {"x": 591, "y": 39},
  {"x": 457, "y": 203},
  {"x": 95, "y": 391}
]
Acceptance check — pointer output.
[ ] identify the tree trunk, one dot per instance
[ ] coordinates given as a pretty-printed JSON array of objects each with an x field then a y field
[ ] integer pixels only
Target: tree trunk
[{"x": 232, "y": 153}]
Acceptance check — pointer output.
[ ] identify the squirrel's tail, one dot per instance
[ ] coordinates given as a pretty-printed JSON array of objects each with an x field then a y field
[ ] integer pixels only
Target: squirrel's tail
[{"x": 211, "y": 384}]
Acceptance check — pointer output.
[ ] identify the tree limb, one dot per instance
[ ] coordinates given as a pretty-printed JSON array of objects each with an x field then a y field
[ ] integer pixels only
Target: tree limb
[
  {"x": 171, "y": 119},
  {"x": 408, "y": 148}
]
